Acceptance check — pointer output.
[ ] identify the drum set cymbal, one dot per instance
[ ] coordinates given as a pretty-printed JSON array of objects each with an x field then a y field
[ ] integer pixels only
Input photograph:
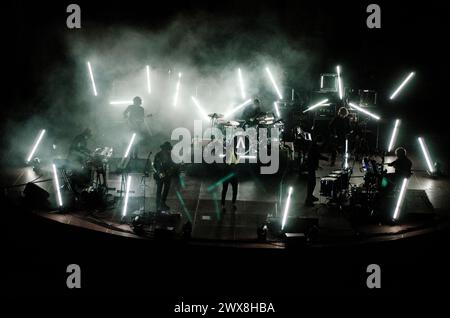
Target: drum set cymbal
[
  {"x": 232, "y": 123},
  {"x": 227, "y": 123},
  {"x": 266, "y": 119},
  {"x": 215, "y": 115}
]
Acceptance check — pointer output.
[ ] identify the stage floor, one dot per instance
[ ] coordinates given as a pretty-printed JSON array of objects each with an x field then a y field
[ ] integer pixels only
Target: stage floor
[{"x": 194, "y": 197}]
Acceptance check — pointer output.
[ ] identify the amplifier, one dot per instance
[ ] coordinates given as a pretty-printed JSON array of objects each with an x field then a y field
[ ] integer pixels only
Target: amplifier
[
  {"x": 325, "y": 112},
  {"x": 328, "y": 82},
  {"x": 35, "y": 195}
]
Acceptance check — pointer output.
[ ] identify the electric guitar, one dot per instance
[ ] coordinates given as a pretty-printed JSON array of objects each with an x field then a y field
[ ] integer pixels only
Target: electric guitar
[{"x": 173, "y": 170}]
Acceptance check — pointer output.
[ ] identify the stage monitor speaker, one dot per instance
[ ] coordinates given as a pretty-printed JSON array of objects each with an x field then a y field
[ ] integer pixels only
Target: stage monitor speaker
[
  {"x": 36, "y": 195},
  {"x": 293, "y": 224},
  {"x": 295, "y": 240}
]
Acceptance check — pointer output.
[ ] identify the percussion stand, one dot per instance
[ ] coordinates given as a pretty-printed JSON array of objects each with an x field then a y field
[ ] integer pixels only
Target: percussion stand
[
  {"x": 123, "y": 175},
  {"x": 213, "y": 122}
]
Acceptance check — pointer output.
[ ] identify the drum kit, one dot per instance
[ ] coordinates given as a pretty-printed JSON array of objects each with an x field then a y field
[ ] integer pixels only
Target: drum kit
[
  {"x": 335, "y": 183},
  {"x": 97, "y": 163}
]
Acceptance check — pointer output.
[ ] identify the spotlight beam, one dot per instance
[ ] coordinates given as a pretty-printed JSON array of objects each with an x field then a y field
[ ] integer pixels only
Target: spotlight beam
[
  {"x": 286, "y": 209},
  {"x": 36, "y": 144},
  {"x": 426, "y": 154},
  {"x": 200, "y": 108},
  {"x": 338, "y": 69},
  {"x": 149, "y": 87},
  {"x": 362, "y": 110},
  {"x": 127, "y": 152},
  {"x": 58, "y": 190},
  {"x": 177, "y": 90},
  {"x": 402, "y": 85},
  {"x": 274, "y": 83},
  {"x": 394, "y": 135},
  {"x": 321, "y": 103},
  {"x": 91, "y": 75},
  {"x": 235, "y": 109},
  {"x": 400, "y": 199},
  {"x": 127, "y": 193},
  {"x": 241, "y": 83}
]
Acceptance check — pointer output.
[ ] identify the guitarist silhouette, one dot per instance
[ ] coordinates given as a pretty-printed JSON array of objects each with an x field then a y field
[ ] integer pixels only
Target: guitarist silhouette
[
  {"x": 135, "y": 117},
  {"x": 164, "y": 169}
]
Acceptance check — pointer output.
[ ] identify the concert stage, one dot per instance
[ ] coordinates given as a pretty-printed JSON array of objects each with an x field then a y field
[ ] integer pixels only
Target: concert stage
[{"x": 195, "y": 199}]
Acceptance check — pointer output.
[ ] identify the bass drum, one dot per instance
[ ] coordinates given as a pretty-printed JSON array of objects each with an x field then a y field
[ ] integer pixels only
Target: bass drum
[{"x": 329, "y": 187}]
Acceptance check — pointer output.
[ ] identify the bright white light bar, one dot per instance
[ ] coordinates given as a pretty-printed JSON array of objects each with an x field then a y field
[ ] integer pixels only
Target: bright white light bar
[
  {"x": 346, "y": 154},
  {"x": 247, "y": 157},
  {"x": 426, "y": 154},
  {"x": 248, "y": 101},
  {"x": 58, "y": 190},
  {"x": 321, "y": 81},
  {"x": 274, "y": 83},
  {"x": 276, "y": 109},
  {"x": 394, "y": 135},
  {"x": 177, "y": 90},
  {"x": 149, "y": 88},
  {"x": 127, "y": 193},
  {"x": 241, "y": 83},
  {"x": 321, "y": 103},
  {"x": 36, "y": 144},
  {"x": 91, "y": 75},
  {"x": 338, "y": 69},
  {"x": 364, "y": 111},
  {"x": 121, "y": 102},
  {"x": 129, "y": 145},
  {"x": 400, "y": 198},
  {"x": 286, "y": 209},
  {"x": 401, "y": 85},
  {"x": 200, "y": 108}
]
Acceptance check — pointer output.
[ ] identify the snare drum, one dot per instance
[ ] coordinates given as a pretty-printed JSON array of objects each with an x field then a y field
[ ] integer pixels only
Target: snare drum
[{"x": 338, "y": 178}]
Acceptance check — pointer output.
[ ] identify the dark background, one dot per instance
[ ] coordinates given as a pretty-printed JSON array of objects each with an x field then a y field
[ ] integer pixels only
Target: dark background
[{"x": 413, "y": 37}]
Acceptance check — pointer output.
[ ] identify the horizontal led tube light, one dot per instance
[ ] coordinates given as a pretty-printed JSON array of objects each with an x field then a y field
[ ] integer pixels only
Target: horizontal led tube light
[
  {"x": 235, "y": 109},
  {"x": 362, "y": 110},
  {"x": 321, "y": 103}
]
